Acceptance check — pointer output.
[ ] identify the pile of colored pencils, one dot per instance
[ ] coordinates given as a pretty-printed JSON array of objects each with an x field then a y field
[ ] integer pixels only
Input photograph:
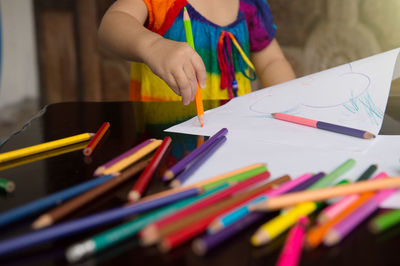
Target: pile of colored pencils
[{"x": 211, "y": 211}]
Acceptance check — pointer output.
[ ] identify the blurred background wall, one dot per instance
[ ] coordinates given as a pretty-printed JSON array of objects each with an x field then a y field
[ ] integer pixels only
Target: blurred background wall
[{"x": 51, "y": 52}]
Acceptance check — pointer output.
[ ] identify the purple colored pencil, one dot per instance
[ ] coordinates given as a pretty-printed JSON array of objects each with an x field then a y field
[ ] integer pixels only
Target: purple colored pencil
[
  {"x": 202, "y": 245},
  {"x": 344, "y": 227},
  {"x": 307, "y": 183},
  {"x": 345, "y": 130},
  {"x": 89, "y": 222},
  {"x": 103, "y": 167},
  {"x": 179, "y": 166},
  {"x": 207, "y": 242},
  {"x": 185, "y": 174}
]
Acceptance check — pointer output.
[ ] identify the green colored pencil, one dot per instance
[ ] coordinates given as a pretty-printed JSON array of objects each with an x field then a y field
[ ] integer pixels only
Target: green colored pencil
[
  {"x": 119, "y": 233},
  {"x": 7, "y": 185},
  {"x": 236, "y": 178},
  {"x": 329, "y": 178},
  {"x": 384, "y": 221}
]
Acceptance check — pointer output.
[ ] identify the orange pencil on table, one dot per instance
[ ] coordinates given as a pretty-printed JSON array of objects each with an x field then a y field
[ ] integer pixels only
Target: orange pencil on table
[
  {"x": 317, "y": 233},
  {"x": 96, "y": 139},
  {"x": 141, "y": 184},
  {"x": 189, "y": 38}
]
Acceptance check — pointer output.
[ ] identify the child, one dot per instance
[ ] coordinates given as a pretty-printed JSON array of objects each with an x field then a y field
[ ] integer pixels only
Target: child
[{"x": 226, "y": 33}]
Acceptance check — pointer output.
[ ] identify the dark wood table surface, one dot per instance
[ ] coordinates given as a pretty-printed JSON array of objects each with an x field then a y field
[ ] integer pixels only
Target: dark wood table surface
[{"x": 131, "y": 123}]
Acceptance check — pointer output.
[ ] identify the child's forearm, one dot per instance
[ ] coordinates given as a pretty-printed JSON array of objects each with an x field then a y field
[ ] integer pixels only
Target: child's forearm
[
  {"x": 271, "y": 65},
  {"x": 125, "y": 36},
  {"x": 277, "y": 71}
]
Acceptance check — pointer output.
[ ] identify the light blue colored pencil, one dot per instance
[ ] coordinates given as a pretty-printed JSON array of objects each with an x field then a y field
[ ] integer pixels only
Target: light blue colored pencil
[{"x": 42, "y": 204}]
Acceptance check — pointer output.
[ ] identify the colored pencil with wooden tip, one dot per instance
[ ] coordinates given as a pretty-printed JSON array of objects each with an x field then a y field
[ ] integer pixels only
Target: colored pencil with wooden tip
[
  {"x": 96, "y": 139},
  {"x": 67, "y": 208},
  {"x": 90, "y": 222},
  {"x": 316, "y": 234},
  {"x": 335, "y": 208},
  {"x": 142, "y": 182},
  {"x": 232, "y": 176},
  {"x": 322, "y": 194},
  {"x": 198, "y": 222},
  {"x": 179, "y": 166},
  {"x": 51, "y": 145},
  {"x": 324, "y": 125},
  {"x": 185, "y": 174},
  {"x": 384, "y": 221},
  {"x": 189, "y": 38},
  {"x": 127, "y": 153},
  {"x": 150, "y": 234},
  {"x": 126, "y": 230},
  {"x": 231, "y": 217},
  {"x": 44, "y": 203},
  {"x": 344, "y": 227},
  {"x": 7, "y": 185},
  {"x": 131, "y": 159}
]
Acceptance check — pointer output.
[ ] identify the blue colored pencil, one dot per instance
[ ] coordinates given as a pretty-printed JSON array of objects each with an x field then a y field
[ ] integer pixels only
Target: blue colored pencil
[
  {"x": 90, "y": 222},
  {"x": 185, "y": 174},
  {"x": 42, "y": 204},
  {"x": 179, "y": 166}
]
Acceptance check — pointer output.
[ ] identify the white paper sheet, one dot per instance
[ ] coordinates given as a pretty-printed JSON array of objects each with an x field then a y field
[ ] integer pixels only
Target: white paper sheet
[
  {"x": 353, "y": 95},
  {"x": 281, "y": 159}
]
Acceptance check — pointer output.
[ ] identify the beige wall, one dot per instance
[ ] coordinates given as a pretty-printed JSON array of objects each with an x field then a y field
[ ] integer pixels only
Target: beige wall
[{"x": 320, "y": 34}]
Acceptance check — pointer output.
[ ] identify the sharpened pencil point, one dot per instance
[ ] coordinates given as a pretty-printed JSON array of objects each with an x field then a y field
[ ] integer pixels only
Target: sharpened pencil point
[
  {"x": 43, "y": 221},
  {"x": 198, "y": 247},
  {"x": 168, "y": 175},
  {"x": 175, "y": 183},
  {"x": 134, "y": 196}
]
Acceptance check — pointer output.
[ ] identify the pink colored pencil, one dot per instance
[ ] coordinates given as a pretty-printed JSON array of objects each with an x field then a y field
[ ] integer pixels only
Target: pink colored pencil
[
  {"x": 291, "y": 251},
  {"x": 334, "y": 209},
  {"x": 238, "y": 213},
  {"x": 289, "y": 185},
  {"x": 206, "y": 202},
  {"x": 324, "y": 125},
  {"x": 96, "y": 139},
  {"x": 344, "y": 227},
  {"x": 103, "y": 167}
]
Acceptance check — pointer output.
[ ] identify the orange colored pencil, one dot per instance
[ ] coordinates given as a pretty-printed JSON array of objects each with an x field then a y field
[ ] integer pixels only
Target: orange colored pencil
[
  {"x": 141, "y": 184},
  {"x": 189, "y": 38},
  {"x": 96, "y": 139},
  {"x": 316, "y": 234}
]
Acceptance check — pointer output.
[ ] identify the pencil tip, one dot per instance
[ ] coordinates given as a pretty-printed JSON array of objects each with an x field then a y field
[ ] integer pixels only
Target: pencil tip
[
  {"x": 43, "y": 221},
  {"x": 168, "y": 175},
  {"x": 133, "y": 196}
]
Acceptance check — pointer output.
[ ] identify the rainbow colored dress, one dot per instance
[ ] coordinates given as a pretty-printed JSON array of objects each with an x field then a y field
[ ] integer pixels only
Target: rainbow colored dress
[{"x": 224, "y": 50}]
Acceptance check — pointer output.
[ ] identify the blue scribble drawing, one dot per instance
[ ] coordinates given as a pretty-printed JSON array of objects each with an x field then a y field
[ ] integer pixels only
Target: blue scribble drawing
[{"x": 350, "y": 100}]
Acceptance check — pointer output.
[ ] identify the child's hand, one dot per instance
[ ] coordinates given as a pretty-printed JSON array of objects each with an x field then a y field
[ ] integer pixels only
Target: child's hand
[{"x": 178, "y": 65}]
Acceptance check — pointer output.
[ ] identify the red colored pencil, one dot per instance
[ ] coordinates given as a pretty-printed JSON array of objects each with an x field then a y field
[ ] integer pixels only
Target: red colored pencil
[
  {"x": 209, "y": 201},
  {"x": 141, "y": 184},
  {"x": 96, "y": 138},
  {"x": 192, "y": 229}
]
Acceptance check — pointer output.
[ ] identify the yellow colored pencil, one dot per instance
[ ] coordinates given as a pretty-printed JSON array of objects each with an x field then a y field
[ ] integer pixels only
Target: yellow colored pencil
[
  {"x": 42, "y": 155},
  {"x": 189, "y": 38},
  {"x": 281, "y": 223},
  {"x": 122, "y": 164},
  {"x": 12, "y": 155}
]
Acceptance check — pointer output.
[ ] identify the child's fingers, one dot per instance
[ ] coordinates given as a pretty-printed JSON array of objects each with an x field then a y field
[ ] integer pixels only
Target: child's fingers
[
  {"x": 200, "y": 70},
  {"x": 173, "y": 84},
  {"x": 191, "y": 76},
  {"x": 183, "y": 85}
]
